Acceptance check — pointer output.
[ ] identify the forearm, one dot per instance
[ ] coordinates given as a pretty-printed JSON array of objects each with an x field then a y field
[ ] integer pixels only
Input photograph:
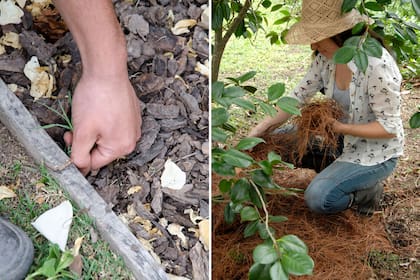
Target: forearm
[
  {"x": 269, "y": 123},
  {"x": 98, "y": 35},
  {"x": 369, "y": 130}
]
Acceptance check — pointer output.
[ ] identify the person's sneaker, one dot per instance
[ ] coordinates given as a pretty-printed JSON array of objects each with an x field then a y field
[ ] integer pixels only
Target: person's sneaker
[
  {"x": 368, "y": 200},
  {"x": 16, "y": 252}
]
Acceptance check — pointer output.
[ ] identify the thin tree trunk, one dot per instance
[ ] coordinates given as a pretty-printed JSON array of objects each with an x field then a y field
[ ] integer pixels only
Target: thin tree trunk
[{"x": 221, "y": 40}]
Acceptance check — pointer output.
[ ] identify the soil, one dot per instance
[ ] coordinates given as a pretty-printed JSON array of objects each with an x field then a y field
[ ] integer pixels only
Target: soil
[
  {"x": 345, "y": 245},
  {"x": 174, "y": 98}
]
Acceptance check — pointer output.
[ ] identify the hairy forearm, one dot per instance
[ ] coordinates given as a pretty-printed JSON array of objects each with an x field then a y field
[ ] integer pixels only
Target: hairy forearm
[
  {"x": 98, "y": 35},
  {"x": 369, "y": 130}
]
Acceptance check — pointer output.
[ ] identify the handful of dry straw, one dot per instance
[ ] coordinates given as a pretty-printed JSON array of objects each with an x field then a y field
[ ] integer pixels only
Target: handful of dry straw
[{"x": 314, "y": 123}]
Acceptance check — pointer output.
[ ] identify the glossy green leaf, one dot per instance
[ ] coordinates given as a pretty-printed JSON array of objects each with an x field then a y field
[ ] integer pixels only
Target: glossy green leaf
[
  {"x": 292, "y": 243},
  {"x": 217, "y": 90},
  {"x": 266, "y": 3},
  {"x": 237, "y": 158},
  {"x": 249, "y": 213},
  {"x": 412, "y": 25},
  {"x": 344, "y": 54},
  {"x": 223, "y": 168},
  {"x": 297, "y": 263},
  {"x": 281, "y": 20},
  {"x": 249, "y": 143},
  {"x": 255, "y": 198},
  {"x": 274, "y": 158},
  {"x": 277, "y": 219},
  {"x": 247, "y": 76},
  {"x": 265, "y": 254},
  {"x": 259, "y": 272},
  {"x": 400, "y": 32},
  {"x": 225, "y": 185},
  {"x": 374, "y": 6},
  {"x": 226, "y": 10},
  {"x": 250, "y": 89},
  {"x": 416, "y": 7},
  {"x": 261, "y": 179},
  {"x": 218, "y": 135},
  {"x": 244, "y": 103},
  {"x": 276, "y": 7},
  {"x": 357, "y": 28},
  {"x": 289, "y": 105},
  {"x": 250, "y": 229},
  {"x": 275, "y": 91},
  {"x": 268, "y": 109},
  {"x": 219, "y": 116},
  {"x": 361, "y": 60},
  {"x": 372, "y": 47},
  {"x": 65, "y": 261},
  {"x": 262, "y": 231},
  {"x": 348, "y": 5},
  {"x": 240, "y": 191},
  {"x": 277, "y": 272},
  {"x": 352, "y": 41},
  {"x": 48, "y": 268},
  {"x": 411, "y": 35},
  {"x": 217, "y": 17},
  {"x": 415, "y": 120},
  {"x": 229, "y": 127},
  {"x": 241, "y": 29},
  {"x": 228, "y": 214},
  {"x": 233, "y": 92},
  {"x": 266, "y": 167}
]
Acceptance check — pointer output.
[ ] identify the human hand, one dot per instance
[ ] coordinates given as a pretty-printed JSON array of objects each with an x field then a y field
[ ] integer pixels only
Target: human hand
[{"x": 106, "y": 120}]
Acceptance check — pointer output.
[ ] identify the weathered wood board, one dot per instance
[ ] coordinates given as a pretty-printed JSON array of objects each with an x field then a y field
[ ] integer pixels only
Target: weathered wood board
[{"x": 44, "y": 150}]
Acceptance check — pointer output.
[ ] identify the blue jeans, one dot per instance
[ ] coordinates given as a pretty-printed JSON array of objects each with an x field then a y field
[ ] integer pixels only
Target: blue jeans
[{"x": 329, "y": 192}]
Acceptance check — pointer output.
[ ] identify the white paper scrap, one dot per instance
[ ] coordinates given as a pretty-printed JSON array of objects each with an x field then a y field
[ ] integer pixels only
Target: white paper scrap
[
  {"x": 172, "y": 176},
  {"x": 54, "y": 224}
]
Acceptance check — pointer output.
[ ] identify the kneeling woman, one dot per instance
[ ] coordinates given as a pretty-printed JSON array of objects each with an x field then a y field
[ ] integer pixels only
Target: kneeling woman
[{"x": 373, "y": 134}]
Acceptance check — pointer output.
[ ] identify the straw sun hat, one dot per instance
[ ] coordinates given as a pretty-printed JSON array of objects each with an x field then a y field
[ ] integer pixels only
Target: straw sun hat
[{"x": 322, "y": 19}]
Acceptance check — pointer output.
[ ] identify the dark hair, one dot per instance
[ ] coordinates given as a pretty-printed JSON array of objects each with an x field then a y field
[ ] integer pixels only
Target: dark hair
[{"x": 339, "y": 39}]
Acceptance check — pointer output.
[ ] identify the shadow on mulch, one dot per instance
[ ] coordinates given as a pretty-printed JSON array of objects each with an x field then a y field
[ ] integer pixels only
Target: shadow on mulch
[{"x": 339, "y": 244}]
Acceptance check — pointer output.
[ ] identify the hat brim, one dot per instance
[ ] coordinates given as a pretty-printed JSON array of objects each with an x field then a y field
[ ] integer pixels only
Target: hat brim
[{"x": 303, "y": 33}]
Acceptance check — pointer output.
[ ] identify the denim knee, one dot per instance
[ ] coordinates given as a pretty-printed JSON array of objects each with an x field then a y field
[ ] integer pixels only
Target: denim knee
[{"x": 315, "y": 198}]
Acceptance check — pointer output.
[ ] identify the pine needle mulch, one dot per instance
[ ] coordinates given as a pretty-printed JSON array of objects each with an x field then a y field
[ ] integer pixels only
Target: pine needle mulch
[{"x": 339, "y": 244}]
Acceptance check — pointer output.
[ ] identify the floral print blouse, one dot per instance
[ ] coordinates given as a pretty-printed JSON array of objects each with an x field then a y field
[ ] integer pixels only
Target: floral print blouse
[{"x": 374, "y": 96}]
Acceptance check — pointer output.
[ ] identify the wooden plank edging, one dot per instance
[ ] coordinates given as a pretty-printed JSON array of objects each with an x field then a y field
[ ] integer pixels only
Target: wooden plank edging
[{"x": 43, "y": 149}]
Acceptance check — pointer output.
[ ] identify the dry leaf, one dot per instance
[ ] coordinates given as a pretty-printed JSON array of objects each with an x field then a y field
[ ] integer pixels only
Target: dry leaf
[
  {"x": 134, "y": 189},
  {"x": 181, "y": 27},
  {"x": 77, "y": 245},
  {"x": 2, "y": 49},
  {"x": 193, "y": 216},
  {"x": 11, "y": 39},
  {"x": 38, "y": 6},
  {"x": 205, "y": 15},
  {"x": 204, "y": 227},
  {"x": 77, "y": 265},
  {"x": 172, "y": 176},
  {"x": 176, "y": 230},
  {"x": 42, "y": 82},
  {"x": 5, "y": 192},
  {"x": 13, "y": 87},
  {"x": 10, "y": 13},
  {"x": 202, "y": 68}
]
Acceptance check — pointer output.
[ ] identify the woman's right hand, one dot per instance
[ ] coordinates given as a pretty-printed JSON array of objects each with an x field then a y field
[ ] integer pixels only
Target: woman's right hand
[{"x": 268, "y": 124}]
